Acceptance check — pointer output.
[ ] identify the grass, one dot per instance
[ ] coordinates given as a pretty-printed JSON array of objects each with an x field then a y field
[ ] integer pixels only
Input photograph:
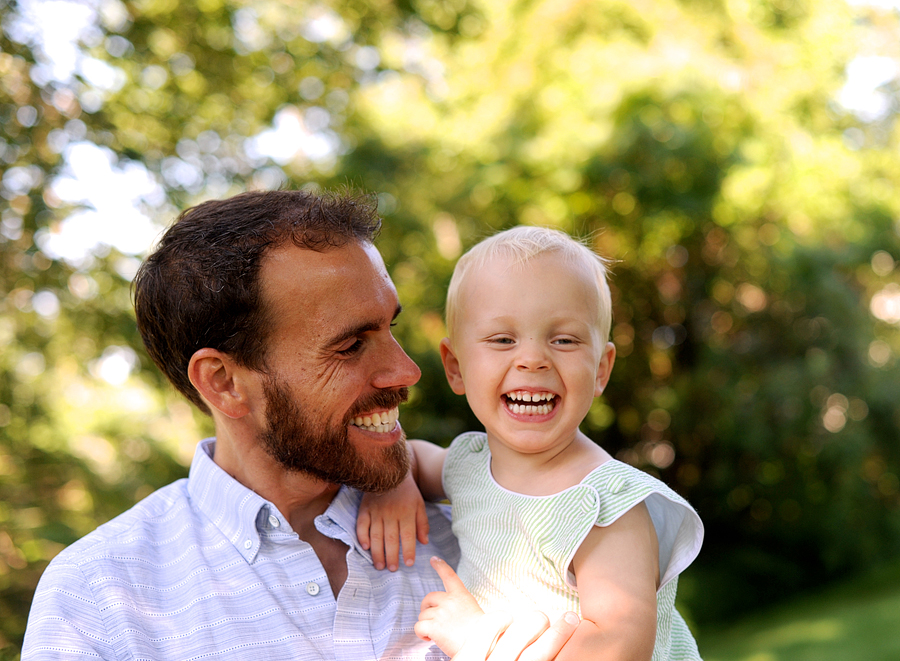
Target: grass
[{"x": 856, "y": 621}]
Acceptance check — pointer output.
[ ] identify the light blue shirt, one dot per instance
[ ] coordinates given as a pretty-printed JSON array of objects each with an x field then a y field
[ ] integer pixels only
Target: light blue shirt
[{"x": 206, "y": 568}]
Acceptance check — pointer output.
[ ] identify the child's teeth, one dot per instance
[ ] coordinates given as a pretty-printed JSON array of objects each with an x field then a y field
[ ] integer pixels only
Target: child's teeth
[
  {"x": 530, "y": 409},
  {"x": 522, "y": 396}
]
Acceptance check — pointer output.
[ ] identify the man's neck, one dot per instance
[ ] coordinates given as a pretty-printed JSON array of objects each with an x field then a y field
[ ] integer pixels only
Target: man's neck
[{"x": 299, "y": 497}]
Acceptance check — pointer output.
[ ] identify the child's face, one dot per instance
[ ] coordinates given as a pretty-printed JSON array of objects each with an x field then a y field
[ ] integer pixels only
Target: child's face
[{"x": 527, "y": 351}]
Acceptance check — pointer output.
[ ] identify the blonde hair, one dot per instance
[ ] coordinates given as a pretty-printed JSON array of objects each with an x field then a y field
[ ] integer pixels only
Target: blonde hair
[{"x": 520, "y": 244}]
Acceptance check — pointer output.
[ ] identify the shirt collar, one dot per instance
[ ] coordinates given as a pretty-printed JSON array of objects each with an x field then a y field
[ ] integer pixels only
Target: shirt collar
[
  {"x": 236, "y": 510},
  {"x": 229, "y": 505},
  {"x": 339, "y": 520}
]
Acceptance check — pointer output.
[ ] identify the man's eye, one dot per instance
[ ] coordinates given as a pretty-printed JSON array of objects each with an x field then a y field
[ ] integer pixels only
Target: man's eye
[{"x": 352, "y": 348}]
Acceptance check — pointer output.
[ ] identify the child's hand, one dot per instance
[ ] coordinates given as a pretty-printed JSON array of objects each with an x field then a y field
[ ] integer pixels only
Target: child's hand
[
  {"x": 448, "y": 617},
  {"x": 388, "y": 520}
]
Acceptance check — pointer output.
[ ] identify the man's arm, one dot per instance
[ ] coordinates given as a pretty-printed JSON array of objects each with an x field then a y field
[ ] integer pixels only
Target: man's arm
[{"x": 65, "y": 621}]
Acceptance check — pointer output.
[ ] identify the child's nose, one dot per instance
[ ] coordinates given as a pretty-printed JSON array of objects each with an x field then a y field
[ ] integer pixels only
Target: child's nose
[{"x": 532, "y": 356}]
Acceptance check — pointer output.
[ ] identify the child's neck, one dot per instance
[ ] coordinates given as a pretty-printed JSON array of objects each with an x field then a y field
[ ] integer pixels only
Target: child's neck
[{"x": 543, "y": 474}]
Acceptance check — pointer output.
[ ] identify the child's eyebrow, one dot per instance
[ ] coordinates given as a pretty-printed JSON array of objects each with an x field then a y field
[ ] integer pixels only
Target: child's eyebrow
[{"x": 361, "y": 328}]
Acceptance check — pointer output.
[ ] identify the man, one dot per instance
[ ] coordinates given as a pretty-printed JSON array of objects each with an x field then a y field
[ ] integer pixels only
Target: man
[{"x": 271, "y": 312}]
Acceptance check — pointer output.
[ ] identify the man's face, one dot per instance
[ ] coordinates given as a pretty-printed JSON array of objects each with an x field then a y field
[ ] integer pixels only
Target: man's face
[
  {"x": 301, "y": 444},
  {"x": 336, "y": 373}
]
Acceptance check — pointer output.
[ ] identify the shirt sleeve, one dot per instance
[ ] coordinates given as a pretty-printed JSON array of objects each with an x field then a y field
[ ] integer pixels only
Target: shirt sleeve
[
  {"x": 679, "y": 529},
  {"x": 65, "y": 621},
  {"x": 463, "y": 451}
]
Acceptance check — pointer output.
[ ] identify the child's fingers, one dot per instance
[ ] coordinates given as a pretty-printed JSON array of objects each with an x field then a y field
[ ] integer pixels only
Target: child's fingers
[
  {"x": 448, "y": 577},
  {"x": 363, "y": 521},
  {"x": 431, "y": 601},
  {"x": 392, "y": 544},
  {"x": 422, "y": 525},
  {"x": 408, "y": 540},
  {"x": 376, "y": 542},
  {"x": 423, "y": 629}
]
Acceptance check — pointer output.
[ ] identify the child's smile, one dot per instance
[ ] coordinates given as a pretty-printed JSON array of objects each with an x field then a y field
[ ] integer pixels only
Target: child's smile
[{"x": 523, "y": 402}]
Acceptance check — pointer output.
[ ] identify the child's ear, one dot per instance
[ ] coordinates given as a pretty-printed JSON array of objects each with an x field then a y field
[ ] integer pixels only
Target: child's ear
[
  {"x": 220, "y": 382},
  {"x": 605, "y": 368},
  {"x": 451, "y": 368}
]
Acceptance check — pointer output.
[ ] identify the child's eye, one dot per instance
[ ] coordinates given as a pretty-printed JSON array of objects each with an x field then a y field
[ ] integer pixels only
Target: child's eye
[
  {"x": 501, "y": 340},
  {"x": 564, "y": 340}
]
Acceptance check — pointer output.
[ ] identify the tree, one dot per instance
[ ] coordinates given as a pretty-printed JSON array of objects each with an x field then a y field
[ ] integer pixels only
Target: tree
[{"x": 699, "y": 144}]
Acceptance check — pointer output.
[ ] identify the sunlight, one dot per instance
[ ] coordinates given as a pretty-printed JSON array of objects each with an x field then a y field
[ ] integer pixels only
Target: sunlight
[{"x": 113, "y": 196}]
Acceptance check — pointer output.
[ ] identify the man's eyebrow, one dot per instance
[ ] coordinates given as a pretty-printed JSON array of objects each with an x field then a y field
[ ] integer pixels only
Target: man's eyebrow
[{"x": 359, "y": 329}]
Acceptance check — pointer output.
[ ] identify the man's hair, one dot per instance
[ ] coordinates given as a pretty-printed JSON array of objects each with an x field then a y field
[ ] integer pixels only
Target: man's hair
[
  {"x": 200, "y": 287},
  {"x": 521, "y": 244}
]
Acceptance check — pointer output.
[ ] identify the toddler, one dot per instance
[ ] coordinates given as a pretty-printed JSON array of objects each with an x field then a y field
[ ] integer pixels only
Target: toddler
[{"x": 546, "y": 519}]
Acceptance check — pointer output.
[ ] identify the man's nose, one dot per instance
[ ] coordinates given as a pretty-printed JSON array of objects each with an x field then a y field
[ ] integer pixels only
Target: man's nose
[{"x": 397, "y": 369}]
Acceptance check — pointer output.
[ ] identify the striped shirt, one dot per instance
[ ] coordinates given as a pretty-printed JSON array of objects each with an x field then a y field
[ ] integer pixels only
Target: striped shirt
[
  {"x": 517, "y": 549},
  {"x": 205, "y": 568}
]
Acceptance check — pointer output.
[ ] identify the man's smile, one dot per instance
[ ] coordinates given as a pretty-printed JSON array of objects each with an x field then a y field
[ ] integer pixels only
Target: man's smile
[{"x": 378, "y": 422}]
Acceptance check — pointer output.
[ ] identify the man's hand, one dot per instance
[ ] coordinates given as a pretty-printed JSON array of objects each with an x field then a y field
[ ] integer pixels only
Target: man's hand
[
  {"x": 497, "y": 637},
  {"x": 388, "y": 520},
  {"x": 447, "y": 617}
]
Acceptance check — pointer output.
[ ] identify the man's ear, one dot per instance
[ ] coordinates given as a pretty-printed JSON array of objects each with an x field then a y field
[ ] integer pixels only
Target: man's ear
[
  {"x": 451, "y": 368},
  {"x": 605, "y": 368},
  {"x": 220, "y": 382}
]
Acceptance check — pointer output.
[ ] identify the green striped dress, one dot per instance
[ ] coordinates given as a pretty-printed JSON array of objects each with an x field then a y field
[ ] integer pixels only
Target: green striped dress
[{"x": 516, "y": 549}]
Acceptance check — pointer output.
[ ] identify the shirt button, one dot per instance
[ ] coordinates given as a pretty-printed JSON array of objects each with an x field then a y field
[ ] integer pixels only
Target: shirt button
[
  {"x": 312, "y": 589},
  {"x": 273, "y": 521},
  {"x": 616, "y": 484},
  {"x": 248, "y": 544}
]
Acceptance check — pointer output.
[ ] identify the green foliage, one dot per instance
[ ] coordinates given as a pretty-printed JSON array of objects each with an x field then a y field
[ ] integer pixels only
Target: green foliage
[
  {"x": 856, "y": 620},
  {"x": 752, "y": 220}
]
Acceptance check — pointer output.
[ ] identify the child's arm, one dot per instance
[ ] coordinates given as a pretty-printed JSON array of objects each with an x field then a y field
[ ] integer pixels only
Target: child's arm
[
  {"x": 617, "y": 570},
  {"x": 387, "y": 521}
]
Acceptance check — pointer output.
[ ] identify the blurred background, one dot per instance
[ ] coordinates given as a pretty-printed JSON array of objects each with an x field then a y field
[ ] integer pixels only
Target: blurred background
[{"x": 738, "y": 159}]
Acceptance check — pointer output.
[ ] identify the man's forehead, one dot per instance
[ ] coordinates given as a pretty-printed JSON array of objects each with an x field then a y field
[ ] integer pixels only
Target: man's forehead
[
  {"x": 289, "y": 263},
  {"x": 321, "y": 283}
]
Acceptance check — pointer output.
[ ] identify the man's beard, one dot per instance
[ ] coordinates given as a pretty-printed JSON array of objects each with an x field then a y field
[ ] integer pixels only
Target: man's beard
[{"x": 301, "y": 444}]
